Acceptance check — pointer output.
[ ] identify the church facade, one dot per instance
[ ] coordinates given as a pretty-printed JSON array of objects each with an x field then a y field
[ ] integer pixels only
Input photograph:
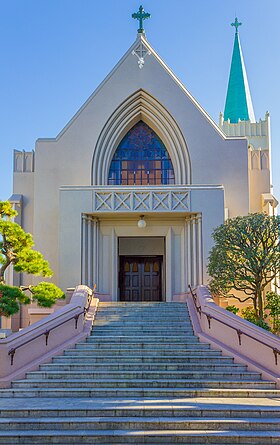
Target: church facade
[{"x": 129, "y": 192}]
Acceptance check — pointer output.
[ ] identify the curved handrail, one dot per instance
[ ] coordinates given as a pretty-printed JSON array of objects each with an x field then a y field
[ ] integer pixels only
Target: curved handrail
[
  {"x": 76, "y": 317},
  {"x": 209, "y": 317}
]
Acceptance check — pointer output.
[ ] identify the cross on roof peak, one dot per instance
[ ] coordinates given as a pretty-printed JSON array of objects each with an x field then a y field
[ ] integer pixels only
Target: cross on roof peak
[
  {"x": 141, "y": 15},
  {"x": 236, "y": 24}
]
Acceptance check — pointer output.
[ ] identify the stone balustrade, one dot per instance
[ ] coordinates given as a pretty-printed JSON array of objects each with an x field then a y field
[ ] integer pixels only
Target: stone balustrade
[
  {"x": 26, "y": 350},
  {"x": 249, "y": 344}
]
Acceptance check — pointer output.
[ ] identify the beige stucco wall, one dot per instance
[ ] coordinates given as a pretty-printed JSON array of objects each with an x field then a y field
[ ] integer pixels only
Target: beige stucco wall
[{"x": 259, "y": 156}]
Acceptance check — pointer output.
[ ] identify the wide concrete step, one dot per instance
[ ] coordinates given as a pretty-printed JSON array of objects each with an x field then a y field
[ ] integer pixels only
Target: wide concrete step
[
  {"x": 213, "y": 358},
  {"x": 156, "y": 352},
  {"x": 156, "y": 346},
  {"x": 142, "y": 320},
  {"x": 142, "y": 306},
  {"x": 141, "y": 330},
  {"x": 148, "y": 353},
  {"x": 114, "y": 393},
  {"x": 85, "y": 367},
  {"x": 128, "y": 327},
  {"x": 132, "y": 327},
  {"x": 136, "y": 423},
  {"x": 101, "y": 331},
  {"x": 109, "y": 437},
  {"x": 141, "y": 303},
  {"x": 140, "y": 383},
  {"x": 132, "y": 338},
  {"x": 171, "y": 375},
  {"x": 176, "y": 318},
  {"x": 150, "y": 305},
  {"x": 163, "y": 310},
  {"x": 77, "y": 407},
  {"x": 148, "y": 327},
  {"x": 137, "y": 324},
  {"x": 149, "y": 312},
  {"x": 144, "y": 312}
]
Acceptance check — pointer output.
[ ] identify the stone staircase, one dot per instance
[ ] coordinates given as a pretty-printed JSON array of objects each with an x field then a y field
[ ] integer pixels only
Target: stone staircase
[{"x": 141, "y": 377}]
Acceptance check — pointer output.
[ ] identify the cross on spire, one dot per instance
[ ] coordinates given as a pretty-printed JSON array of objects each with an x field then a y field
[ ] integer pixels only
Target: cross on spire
[
  {"x": 236, "y": 24},
  {"x": 141, "y": 15}
]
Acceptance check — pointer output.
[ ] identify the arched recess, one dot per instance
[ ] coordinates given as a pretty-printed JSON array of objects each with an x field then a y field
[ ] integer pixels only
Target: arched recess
[{"x": 141, "y": 106}]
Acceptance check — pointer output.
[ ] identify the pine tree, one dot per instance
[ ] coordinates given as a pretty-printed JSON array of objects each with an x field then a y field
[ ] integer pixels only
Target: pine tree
[{"x": 16, "y": 250}]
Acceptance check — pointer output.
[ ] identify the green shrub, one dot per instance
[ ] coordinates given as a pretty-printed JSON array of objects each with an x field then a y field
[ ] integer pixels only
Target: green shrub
[
  {"x": 273, "y": 304},
  {"x": 248, "y": 313},
  {"x": 233, "y": 309}
]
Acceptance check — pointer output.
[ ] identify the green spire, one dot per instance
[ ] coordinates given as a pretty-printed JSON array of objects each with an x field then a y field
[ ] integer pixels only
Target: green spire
[{"x": 238, "y": 101}]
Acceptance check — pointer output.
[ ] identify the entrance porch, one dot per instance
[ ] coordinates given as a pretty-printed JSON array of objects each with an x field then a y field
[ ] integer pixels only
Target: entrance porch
[
  {"x": 141, "y": 264},
  {"x": 126, "y": 260}
]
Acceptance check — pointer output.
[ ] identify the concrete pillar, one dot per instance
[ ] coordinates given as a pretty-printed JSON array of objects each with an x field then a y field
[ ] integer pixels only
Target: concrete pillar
[
  {"x": 90, "y": 250},
  {"x": 168, "y": 272},
  {"x": 184, "y": 277},
  {"x": 194, "y": 250},
  {"x": 199, "y": 249},
  {"x": 95, "y": 250},
  {"x": 114, "y": 266},
  {"x": 188, "y": 252},
  {"x": 84, "y": 270}
]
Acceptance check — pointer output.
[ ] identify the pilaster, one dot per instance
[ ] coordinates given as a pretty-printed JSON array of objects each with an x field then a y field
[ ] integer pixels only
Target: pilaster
[{"x": 90, "y": 250}]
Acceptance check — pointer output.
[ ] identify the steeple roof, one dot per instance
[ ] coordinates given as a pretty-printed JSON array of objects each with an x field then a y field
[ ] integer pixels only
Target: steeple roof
[{"x": 238, "y": 101}]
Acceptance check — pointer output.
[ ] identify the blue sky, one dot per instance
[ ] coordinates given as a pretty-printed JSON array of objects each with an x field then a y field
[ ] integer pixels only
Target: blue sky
[{"x": 54, "y": 53}]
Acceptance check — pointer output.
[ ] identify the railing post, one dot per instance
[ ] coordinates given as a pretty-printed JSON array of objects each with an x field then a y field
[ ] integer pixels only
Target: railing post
[
  {"x": 12, "y": 354},
  {"x": 209, "y": 320},
  {"x": 276, "y": 352},
  {"x": 239, "y": 333},
  {"x": 47, "y": 333},
  {"x": 76, "y": 320}
]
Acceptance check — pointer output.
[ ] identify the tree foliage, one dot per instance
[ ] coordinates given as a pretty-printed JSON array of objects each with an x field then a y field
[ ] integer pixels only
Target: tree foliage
[
  {"x": 16, "y": 249},
  {"x": 45, "y": 294},
  {"x": 245, "y": 258},
  {"x": 273, "y": 304},
  {"x": 10, "y": 299},
  {"x": 248, "y": 313}
]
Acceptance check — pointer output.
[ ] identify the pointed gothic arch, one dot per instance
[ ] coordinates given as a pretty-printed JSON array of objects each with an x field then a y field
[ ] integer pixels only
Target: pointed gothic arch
[
  {"x": 141, "y": 106},
  {"x": 141, "y": 158}
]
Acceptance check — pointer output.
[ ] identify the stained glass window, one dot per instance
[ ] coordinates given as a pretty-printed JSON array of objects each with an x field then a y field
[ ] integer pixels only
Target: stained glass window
[{"x": 141, "y": 159}]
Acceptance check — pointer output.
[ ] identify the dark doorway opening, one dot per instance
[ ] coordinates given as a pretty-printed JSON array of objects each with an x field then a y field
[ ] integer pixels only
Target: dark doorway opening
[{"x": 140, "y": 278}]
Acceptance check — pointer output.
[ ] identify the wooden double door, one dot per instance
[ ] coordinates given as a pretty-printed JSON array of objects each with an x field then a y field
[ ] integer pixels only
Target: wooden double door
[{"x": 140, "y": 278}]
